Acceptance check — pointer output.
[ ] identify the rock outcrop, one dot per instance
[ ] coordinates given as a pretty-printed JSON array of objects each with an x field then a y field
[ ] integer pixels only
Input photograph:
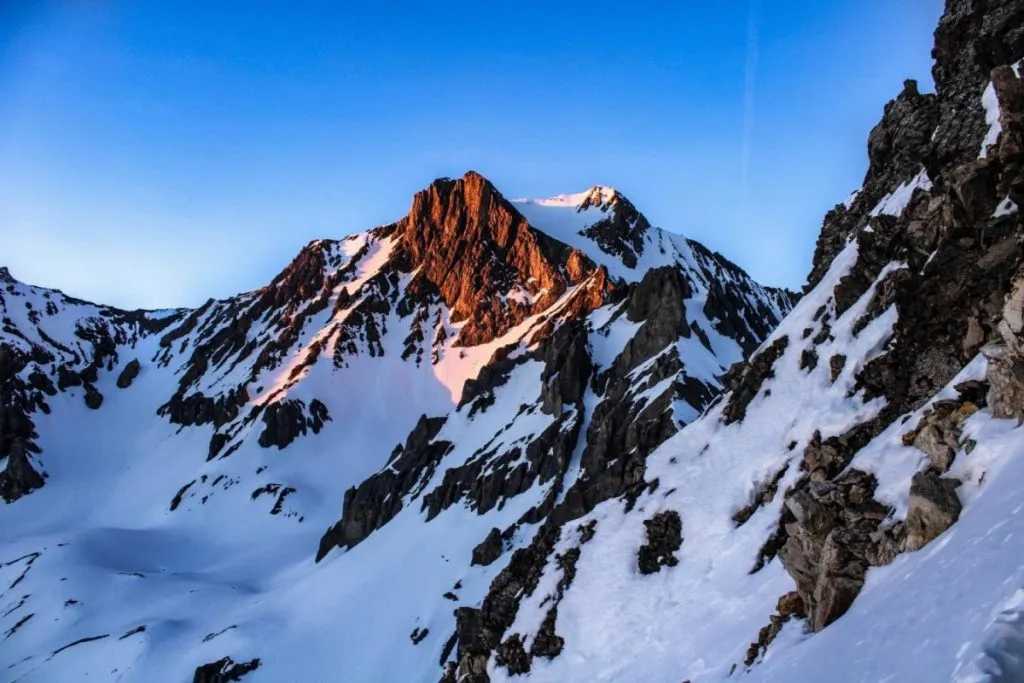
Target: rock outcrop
[
  {"x": 224, "y": 670},
  {"x": 930, "y": 201}
]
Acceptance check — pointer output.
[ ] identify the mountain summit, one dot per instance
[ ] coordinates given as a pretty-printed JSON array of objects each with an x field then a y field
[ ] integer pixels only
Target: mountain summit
[{"x": 515, "y": 362}]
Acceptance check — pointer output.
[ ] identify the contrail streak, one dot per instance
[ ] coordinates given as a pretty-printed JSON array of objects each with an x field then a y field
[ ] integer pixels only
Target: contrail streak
[{"x": 753, "y": 20}]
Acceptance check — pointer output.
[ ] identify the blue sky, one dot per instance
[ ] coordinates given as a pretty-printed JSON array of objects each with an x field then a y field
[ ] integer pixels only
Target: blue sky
[{"x": 154, "y": 152}]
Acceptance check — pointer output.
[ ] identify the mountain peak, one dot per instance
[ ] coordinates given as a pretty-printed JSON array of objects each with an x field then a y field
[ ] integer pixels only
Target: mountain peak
[
  {"x": 473, "y": 248},
  {"x": 601, "y": 196}
]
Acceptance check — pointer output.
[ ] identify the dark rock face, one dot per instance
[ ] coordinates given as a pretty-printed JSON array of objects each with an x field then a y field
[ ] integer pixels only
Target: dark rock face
[
  {"x": 128, "y": 375},
  {"x": 285, "y": 421},
  {"x": 377, "y": 500},
  {"x": 479, "y": 632},
  {"x": 1005, "y": 355},
  {"x": 18, "y": 400},
  {"x": 18, "y": 478},
  {"x": 897, "y": 147},
  {"x": 512, "y": 655},
  {"x": 621, "y": 233},
  {"x": 746, "y": 379},
  {"x": 224, "y": 670},
  {"x": 664, "y": 537},
  {"x": 489, "y": 549},
  {"x": 732, "y": 304}
]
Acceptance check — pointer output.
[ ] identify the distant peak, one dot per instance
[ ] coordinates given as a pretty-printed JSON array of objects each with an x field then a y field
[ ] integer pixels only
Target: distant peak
[{"x": 596, "y": 196}]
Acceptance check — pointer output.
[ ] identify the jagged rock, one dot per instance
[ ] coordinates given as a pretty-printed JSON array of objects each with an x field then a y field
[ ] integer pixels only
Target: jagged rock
[
  {"x": 547, "y": 643},
  {"x": 896, "y": 148},
  {"x": 664, "y": 537},
  {"x": 287, "y": 420},
  {"x": 377, "y": 500},
  {"x": 128, "y": 375},
  {"x": 489, "y": 549},
  {"x": 824, "y": 459},
  {"x": 1005, "y": 370},
  {"x": 1005, "y": 375},
  {"x": 567, "y": 368},
  {"x": 934, "y": 507},
  {"x": 224, "y": 670},
  {"x": 808, "y": 359},
  {"x": 512, "y": 655},
  {"x": 418, "y": 634},
  {"x": 973, "y": 391},
  {"x": 41, "y": 382},
  {"x": 938, "y": 433},
  {"x": 454, "y": 227},
  {"x": 66, "y": 377}
]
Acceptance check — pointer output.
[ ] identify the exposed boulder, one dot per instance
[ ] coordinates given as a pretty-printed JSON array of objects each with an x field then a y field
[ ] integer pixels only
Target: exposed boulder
[
  {"x": 664, "y": 537},
  {"x": 934, "y": 507},
  {"x": 489, "y": 549},
  {"x": 938, "y": 433},
  {"x": 836, "y": 364},
  {"x": 833, "y": 537},
  {"x": 128, "y": 375},
  {"x": 93, "y": 398},
  {"x": 512, "y": 655},
  {"x": 1005, "y": 355},
  {"x": 547, "y": 643}
]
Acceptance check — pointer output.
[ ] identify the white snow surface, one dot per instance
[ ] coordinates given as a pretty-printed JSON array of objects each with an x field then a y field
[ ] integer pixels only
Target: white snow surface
[
  {"x": 1005, "y": 208},
  {"x": 990, "y": 102},
  {"x": 894, "y": 202}
]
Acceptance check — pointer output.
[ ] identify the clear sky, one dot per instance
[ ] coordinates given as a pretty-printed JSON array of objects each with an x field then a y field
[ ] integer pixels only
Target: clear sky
[{"x": 157, "y": 152}]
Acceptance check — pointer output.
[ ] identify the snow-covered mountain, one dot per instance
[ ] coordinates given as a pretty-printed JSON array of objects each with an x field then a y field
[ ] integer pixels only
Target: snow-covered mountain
[
  {"x": 544, "y": 440},
  {"x": 431, "y": 391}
]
